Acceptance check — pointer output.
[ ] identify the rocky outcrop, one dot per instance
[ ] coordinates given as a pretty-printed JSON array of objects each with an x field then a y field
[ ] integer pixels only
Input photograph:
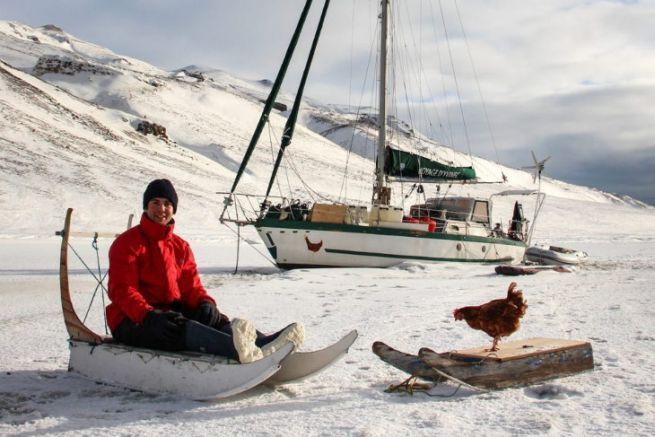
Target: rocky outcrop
[
  {"x": 148, "y": 128},
  {"x": 277, "y": 105},
  {"x": 69, "y": 66}
]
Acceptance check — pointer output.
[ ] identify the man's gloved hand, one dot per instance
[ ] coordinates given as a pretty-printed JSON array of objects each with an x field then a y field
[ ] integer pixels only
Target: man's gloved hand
[
  {"x": 169, "y": 325},
  {"x": 225, "y": 320},
  {"x": 207, "y": 313}
]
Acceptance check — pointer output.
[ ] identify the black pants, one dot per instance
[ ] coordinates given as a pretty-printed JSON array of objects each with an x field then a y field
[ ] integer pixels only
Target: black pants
[{"x": 193, "y": 336}]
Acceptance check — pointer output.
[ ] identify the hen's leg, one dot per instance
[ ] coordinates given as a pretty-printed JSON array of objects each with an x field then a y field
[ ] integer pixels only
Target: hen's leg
[{"x": 494, "y": 345}]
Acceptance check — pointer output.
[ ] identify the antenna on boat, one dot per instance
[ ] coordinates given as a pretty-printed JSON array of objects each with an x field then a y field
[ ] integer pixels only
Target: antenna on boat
[{"x": 538, "y": 167}]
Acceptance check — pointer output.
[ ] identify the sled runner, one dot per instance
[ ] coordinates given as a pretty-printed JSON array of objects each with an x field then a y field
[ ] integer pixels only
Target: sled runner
[
  {"x": 301, "y": 365},
  {"x": 187, "y": 374},
  {"x": 520, "y": 362}
]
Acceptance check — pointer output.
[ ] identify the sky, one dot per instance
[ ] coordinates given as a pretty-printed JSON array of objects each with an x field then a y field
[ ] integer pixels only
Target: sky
[{"x": 569, "y": 79}]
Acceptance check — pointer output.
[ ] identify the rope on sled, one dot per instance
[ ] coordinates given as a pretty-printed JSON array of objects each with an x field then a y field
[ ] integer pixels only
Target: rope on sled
[
  {"x": 100, "y": 278},
  {"x": 459, "y": 381},
  {"x": 411, "y": 385}
]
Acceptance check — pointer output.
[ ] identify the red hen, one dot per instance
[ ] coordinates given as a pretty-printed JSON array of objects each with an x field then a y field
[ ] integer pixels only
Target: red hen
[{"x": 498, "y": 318}]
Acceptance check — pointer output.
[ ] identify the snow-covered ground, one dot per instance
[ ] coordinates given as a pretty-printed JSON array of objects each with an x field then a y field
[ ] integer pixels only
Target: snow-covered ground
[
  {"x": 608, "y": 302},
  {"x": 69, "y": 141}
]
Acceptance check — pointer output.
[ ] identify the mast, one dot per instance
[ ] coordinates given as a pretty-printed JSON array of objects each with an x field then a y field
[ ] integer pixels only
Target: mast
[
  {"x": 263, "y": 119},
  {"x": 293, "y": 116},
  {"x": 381, "y": 193}
]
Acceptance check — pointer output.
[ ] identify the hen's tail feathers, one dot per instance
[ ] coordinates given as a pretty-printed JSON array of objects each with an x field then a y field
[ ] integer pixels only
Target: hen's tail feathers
[{"x": 516, "y": 297}]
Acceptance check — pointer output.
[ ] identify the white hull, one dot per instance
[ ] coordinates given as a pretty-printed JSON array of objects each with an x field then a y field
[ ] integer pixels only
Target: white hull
[
  {"x": 187, "y": 375},
  {"x": 298, "y": 244}
]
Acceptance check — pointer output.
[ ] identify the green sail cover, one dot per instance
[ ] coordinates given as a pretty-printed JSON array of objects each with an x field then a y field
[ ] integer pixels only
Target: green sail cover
[{"x": 405, "y": 165}]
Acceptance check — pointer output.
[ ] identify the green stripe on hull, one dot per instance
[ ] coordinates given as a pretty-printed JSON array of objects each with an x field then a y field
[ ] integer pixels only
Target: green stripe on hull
[
  {"x": 417, "y": 258},
  {"x": 356, "y": 229}
]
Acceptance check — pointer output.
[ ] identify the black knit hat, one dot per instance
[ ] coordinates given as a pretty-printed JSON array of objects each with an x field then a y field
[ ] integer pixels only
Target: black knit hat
[{"x": 160, "y": 188}]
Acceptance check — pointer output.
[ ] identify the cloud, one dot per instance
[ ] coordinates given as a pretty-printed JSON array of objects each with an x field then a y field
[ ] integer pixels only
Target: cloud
[
  {"x": 603, "y": 137},
  {"x": 614, "y": 171}
]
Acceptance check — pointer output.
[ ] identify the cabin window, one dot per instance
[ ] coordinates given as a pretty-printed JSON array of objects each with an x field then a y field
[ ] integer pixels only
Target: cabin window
[
  {"x": 458, "y": 208},
  {"x": 450, "y": 208},
  {"x": 480, "y": 212}
]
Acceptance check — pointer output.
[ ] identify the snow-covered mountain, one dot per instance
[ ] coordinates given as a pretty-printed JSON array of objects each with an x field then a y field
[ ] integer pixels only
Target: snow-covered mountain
[{"x": 74, "y": 123}]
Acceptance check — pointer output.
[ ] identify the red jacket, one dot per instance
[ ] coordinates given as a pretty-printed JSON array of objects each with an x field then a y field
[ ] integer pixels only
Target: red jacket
[{"x": 150, "y": 267}]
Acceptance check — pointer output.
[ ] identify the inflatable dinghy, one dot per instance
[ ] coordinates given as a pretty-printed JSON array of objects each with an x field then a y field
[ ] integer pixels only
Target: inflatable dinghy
[{"x": 553, "y": 255}]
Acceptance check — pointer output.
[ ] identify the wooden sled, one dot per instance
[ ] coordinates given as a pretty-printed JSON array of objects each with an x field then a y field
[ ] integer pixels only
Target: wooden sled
[
  {"x": 516, "y": 363},
  {"x": 190, "y": 375}
]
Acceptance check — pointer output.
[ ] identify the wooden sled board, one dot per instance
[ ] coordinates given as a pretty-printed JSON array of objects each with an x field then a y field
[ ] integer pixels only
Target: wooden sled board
[
  {"x": 516, "y": 363},
  {"x": 193, "y": 376},
  {"x": 518, "y": 349},
  {"x": 301, "y": 365}
]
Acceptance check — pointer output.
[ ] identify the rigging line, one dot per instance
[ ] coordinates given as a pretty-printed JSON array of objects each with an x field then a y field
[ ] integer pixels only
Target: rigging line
[
  {"x": 271, "y": 97},
  {"x": 273, "y": 140},
  {"x": 419, "y": 76},
  {"x": 350, "y": 85},
  {"x": 448, "y": 127},
  {"x": 477, "y": 81},
  {"x": 420, "y": 59},
  {"x": 236, "y": 265},
  {"x": 343, "y": 190},
  {"x": 238, "y": 234},
  {"x": 289, "y": 127},
  {"x": 396, "y": 66},
  {"x": 352, "y": 53},
  {"x": 400, "y": 74},
  {"x": 406, "y": 68},
  {"x": 294, "y": 169},
  {"x": 459, "y": 96},
  {"x": 290, "y": 166},
  {"x": 445, "y": 127}
]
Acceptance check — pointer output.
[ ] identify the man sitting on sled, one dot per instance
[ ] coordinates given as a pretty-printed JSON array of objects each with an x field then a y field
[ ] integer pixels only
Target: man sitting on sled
[{"x": 158, "y": 300}]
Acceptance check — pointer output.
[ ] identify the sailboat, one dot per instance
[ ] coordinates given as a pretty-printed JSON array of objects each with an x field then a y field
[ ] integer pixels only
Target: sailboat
[{"x": 324, "y": 234}]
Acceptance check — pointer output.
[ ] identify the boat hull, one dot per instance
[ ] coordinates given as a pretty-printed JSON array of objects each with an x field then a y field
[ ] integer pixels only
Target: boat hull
[{"x": 296, "y": 244}]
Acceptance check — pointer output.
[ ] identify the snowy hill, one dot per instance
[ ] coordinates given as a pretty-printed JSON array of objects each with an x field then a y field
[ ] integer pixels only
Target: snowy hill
[{"x": 70, "y": 113}]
